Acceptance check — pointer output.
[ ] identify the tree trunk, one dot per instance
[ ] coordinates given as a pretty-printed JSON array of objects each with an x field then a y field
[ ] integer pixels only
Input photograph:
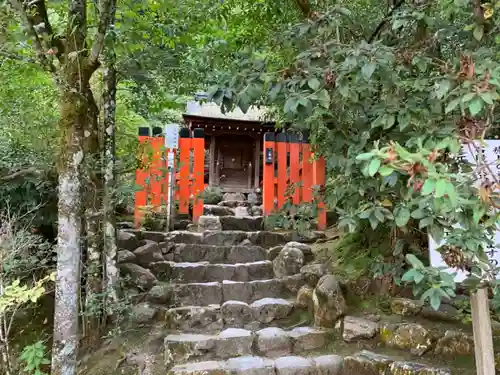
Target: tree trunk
[
  {"x": 109, "y": 116},
  {"x": 73, "y": 118},
  {"x": 93, "y": 218}
]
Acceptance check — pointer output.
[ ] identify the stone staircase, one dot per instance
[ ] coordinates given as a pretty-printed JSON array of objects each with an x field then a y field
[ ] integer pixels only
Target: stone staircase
[{"x": 226, "y": 304}]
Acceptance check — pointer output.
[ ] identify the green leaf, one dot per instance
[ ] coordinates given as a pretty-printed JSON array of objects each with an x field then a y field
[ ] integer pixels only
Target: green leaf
[
  {"x": 452, "y": 105},
  {"x": 401, "y": 216},
  {"x": 440, "y": 188},
  {"x": 373, "y": 167},
  {"x": 428, "y": 187},
  {"x": 365, "y": 156},
  {"x": 478, "y": 32},
  {"x": 414, "y": 261},
  {"x": 475, "y": 106},
  {"x": 425, "y": 222},
  {"x": 487, "y": 97},
  {"x": 274, "y": 92},
  {"x": 368, "y": 69},
  {"x": 419, "y": 276},
  {"x": 314, "y": 83},
  {"x": 409, "y": 275},
  {"x": 385, "y": 171},
  {"x": 435, "y": 301},
  {"x": 291, "y": 106}
]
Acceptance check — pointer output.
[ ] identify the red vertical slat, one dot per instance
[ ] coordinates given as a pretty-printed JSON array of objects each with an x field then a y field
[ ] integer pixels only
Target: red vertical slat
[
  {"x": 281, "y": 160},
  {"x": 294, "y": 144},
  {"x": 198, "y": 144},
  {"x": 141, "y": 175},
  {"x": 268, "y": 173},
  {"x": 307, "y": 171},
  {"x": 157, "y": 181},
  {"x": 184, "y": 167}
]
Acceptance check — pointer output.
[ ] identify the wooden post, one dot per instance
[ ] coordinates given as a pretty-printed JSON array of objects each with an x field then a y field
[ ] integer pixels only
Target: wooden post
[
  {"x": 157, "y": 144},
  {"x": 319, "y": 181},
  {"x": 213, "y": 161},
  {"x": 198, "y": 143},
  {"x": 281, "y": 160},
  {"x": 268, "y": 174},
  {"x": 256, "y": 168},
  {"x": 294, "y": 166},
  {"x": 307, "y": 171},
  {"x": 141, "y": 176},
  {"x": 483, "y": 337},
  {"x": 184, "y": 168}
]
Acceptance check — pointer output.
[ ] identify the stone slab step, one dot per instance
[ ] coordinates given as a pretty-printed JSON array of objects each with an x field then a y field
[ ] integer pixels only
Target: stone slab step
[
  {"x": 363, "y": 363},
  {"x": 187, "y": 272},
  {"x": 216, "y": 210},
  {"x": 246, "y": 224},
  {"x": 218, "y": 254},
  {"x": 216, "y": 293},
  {"x": 253, "y": 365},
  {"x": 231, "y": 314},
  {"x": 269, "y": 342}
]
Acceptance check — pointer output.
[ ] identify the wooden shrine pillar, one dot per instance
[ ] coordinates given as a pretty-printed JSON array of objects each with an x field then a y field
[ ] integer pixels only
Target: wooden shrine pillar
[
  {"x": 212, "y": 181},
  {"x": 256, "y": 168}
]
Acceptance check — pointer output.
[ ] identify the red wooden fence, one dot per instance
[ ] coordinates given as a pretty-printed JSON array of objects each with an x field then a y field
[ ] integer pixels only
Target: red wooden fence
[
  {"x": 152, "y": 176},
  {"x": 290, "y": 174}
]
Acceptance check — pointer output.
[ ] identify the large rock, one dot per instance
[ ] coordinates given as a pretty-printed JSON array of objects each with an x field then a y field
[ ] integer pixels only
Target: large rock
[
  {"x": 148, "y": 253},
  {"x": 307, "y": 338},
  {"x": 161, "y": 294},
  {"x": 274, "y": 251},
  {"x": 455, "y": 343},
  {"x": 125, "y": 256},
  {"x": 312, "y": 272},
  {"x": 410, "y": 368},
  {"x": 194, "y": 318},
  {"x": 236, "y": 314},
  {"x": 241, "y": 211},
  {"x": 239, "y": 197},
  {"x": 127, "y": 240},
  {"x": 356, "y": 328},
  {"x": 288, "y": 262},
  {"x": 139, "y": 276},
  {"x": 329, "y": 302},
  {"x": 366, "y": 363},
  {"x": 211, "y": 223},
  {"x": 273, "y": 342},
  {"x": 305, "y": 297},
  {"x": 410, "y": 336},
  {"x": 306, "y": 250},
  {"x": 267, "y": 310},
  {"x": 406, "y": 307},
  {"x": 294, "y": 366},
  {"x": 143, "y": 313},
  {"x": 249, "y": 365},
  {"x": 217, "y": 210}
]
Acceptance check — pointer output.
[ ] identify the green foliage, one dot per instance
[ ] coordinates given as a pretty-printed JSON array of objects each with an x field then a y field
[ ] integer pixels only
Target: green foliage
[
  {"x": 388, "y": 106},
  {"x": 34, "y": 357}
]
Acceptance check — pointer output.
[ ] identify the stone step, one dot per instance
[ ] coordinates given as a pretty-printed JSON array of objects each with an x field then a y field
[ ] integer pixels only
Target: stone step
[
  {"x": 218, "y": 254},
  {"x": 216, "y": 210},
  {"x": 363, "y": 363},
  {"x": 187, "y": 272},
  {"x": 231, "y": 314},
  {"x": 269, "y": 342},
  {"x": 253, "y": 365},
  {"x": 216, "y": 293}
]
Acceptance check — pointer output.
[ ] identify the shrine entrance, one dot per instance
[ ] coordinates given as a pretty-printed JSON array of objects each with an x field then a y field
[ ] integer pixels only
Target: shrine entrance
[{"x": 235, "y": 163}]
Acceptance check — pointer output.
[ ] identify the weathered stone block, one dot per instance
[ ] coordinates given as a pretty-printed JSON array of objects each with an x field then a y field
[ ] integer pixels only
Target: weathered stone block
[
  {"x": 139, "y": 276},
  {"x": 236, "y": 314},
  {"x": 455, "y": 343},
  {"x": 406, "y": 307},
  {"x": 199, "y": 368},
  {"x": 194, "y": 318},
  {"x": 266, "y": 310},
  {"x": 237, "y": 291},
  {"x": 249, "y": 365},
  {"x": 125, "y": 256},
  {"x": 410, "y": 368},
  {"x": 366, "y": 363},
  {"x": 329, "y": 364},
  {"x": 198, "y": 294},
  {"x": 209, "y": 223},
  {"x": 356, "y": 328},
  {"x": 273, "y": 342},
  {"x": 288, "y": 262},
  {"x": 307, "y": 338},
  {"x": 233, "y": 342},
  {"x": 329, "y": 302},
  {"x": 127, "y": 240},
  {"x": 161, "y": 294},
  {"x": 245, "y": 254},
  {"x": 410, "y": 336},
  {"x": 148, "y": 253},
  {"x": 292, "y": 365},
  {"x": 226, "y": 238}
]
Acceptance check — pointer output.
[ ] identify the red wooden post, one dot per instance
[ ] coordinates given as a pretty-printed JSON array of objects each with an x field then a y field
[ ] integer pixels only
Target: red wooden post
[
  {"x": 156, "y": 172},
  {"x": 307, "y": 171},
  {"x": 268, "y": 174},
  {"x": 141, "y": 176},
  {"x": 319, "y": 181},
  {"x": 184, "y": 167},
  {"x": 198, "y": 143},
  {"x": 294, "y": 144},
  {"x": 281, "y": 160}
]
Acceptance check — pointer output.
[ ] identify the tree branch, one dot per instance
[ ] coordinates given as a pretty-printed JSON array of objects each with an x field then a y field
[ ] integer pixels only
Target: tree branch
[
  {"x": 106, "y": 12},
  {"x": 384, "y": 21},
  {"x": 40, "y": 46}
]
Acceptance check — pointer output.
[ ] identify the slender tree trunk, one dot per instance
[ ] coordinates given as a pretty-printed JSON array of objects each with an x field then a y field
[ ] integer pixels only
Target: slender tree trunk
[
  {"x": 93, "y": 219},
  {"x": 109, "y": 116},
  {"x": 73, "y": 112}
]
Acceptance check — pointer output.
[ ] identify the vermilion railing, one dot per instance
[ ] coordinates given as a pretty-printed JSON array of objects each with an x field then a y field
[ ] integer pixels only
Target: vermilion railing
[
  {"x": 153, "y": 175},
  {"x": 291, "y": 173}
]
